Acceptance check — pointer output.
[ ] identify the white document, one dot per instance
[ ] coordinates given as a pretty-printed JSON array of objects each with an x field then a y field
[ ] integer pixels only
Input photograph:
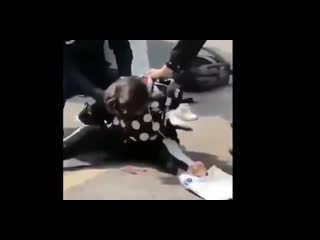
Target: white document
[{"x": 218, "y": 187}]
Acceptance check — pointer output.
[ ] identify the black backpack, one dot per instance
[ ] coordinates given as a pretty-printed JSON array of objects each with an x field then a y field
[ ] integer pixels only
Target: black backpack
[{"x": 205, "y": 73}]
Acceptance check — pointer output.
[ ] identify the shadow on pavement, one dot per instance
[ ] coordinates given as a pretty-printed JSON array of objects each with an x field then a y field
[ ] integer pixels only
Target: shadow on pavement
[
  {"x": 101, "y": 160},
  {"x": 89, "y": 151}
]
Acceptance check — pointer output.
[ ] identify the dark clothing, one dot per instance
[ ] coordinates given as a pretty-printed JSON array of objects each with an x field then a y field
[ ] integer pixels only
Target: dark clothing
[
  {"x": 183, "y": 54},
  {"x": 149, "y": 127},
  {"x": 90, "y": 58},
  {"x": 140, "y": 138},
  {"x": 92, "y": 52},
  {"x": 93, "y": 139},
  {"x": 77, "y": 83},
  {"x": 152, "y": 125},
  {"x": 123, "y": 54},
  {"x": 86, "y": 70}
]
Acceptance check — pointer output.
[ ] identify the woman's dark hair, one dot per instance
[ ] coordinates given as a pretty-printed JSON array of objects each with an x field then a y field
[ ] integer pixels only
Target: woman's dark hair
[{"x": 130, "y": 96}]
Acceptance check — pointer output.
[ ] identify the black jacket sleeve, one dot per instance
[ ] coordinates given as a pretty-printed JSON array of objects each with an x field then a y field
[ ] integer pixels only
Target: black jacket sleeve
[
  {"x": 183, "y": 54},
  {"x": 123, "y": 53}
]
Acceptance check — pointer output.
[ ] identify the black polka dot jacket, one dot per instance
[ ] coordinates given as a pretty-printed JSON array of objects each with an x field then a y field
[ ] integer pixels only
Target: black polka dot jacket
[{"x": 152, "y": 125}]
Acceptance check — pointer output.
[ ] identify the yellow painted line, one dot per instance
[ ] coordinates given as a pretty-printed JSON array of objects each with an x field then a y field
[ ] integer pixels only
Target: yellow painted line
[{"x": 79, "y": 177}]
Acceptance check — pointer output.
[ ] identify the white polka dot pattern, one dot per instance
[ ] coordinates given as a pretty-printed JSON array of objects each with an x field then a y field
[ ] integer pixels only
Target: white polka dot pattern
[
  {"x": 133, "y": 139},
  {"x": 144, "y": 136},
  {"x": 155, "y": 126},
  {"x": 135, "y": 125},
  {"x": 154, "y": 137},
  {"x": 122, "y": 124},
  {"x": 176, "y": 93},
  {"x": 148, "y": 126},
  {"x": 70, "y": 42},
  {"x": 155, "y": 104},
  {"x": 116, "y": 121},
  {"x": 147, "y": 118}
]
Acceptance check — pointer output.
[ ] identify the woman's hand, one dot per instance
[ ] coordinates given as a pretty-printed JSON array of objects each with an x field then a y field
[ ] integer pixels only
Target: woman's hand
[
  {"x": 197, "y": 169},
  {"x": 163, "y": 73}
]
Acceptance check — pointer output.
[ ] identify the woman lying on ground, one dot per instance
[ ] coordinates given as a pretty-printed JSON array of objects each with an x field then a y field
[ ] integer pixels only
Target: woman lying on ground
[{"x": 134, "y": 121}]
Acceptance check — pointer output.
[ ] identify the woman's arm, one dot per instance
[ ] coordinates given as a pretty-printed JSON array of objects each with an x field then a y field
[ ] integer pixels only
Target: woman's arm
[{"x": 180, "y": 59}]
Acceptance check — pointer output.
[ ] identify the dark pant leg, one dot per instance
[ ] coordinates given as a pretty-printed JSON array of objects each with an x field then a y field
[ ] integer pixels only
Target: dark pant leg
[
  {"x": 83, "y": 140},
  {"x": 99, "y": 72},
  {"x": 75, "y": 81},
  {"x": 95, "y": 67},
  {"x": 123, "y": 54},
  {"x": 90, "y": 139},
  {"x": 86, "y": 72}
]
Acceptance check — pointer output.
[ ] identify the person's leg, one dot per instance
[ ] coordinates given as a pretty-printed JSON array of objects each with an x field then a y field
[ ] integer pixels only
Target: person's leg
[
  {"x": 77, "y": 83},
  {"x": 67, "y": 91},
  {"x": 101, "y": 75},
  {"x": 69, "y": 77},
  {"x": 89, "y": 139},
  {"x": 94, "y": 66},
  {"x": 123, "y": 54},
  {"x": 84, "y": 139},
  {"x": 93, "y": 137}
]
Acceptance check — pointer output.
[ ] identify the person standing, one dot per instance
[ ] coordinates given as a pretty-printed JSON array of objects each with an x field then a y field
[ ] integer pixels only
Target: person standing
[{"x": 86, "y": 71}]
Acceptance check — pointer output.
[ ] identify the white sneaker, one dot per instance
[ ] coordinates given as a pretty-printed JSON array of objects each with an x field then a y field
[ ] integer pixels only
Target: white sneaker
[
  {"x": 184, "y": 113},
  {"x": 177, "y": 122}
]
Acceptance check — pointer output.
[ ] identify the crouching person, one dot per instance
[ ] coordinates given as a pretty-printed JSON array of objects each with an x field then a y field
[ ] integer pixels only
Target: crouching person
[{"x": 134, "y": 121}]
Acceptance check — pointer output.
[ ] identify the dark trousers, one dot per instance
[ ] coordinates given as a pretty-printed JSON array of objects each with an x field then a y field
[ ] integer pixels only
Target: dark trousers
[
  {"x": 95, "y": 139},
  {"x": 82, "y": 74}
]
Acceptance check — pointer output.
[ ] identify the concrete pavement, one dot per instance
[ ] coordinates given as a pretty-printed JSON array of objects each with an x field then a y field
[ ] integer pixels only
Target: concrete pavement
[{"x": 100, "y": 177}]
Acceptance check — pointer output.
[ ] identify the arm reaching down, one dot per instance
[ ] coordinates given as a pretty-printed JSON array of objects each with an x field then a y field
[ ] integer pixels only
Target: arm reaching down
[
  {"x": 181, "y": 58},
  {"x": 183, "y": 161}
]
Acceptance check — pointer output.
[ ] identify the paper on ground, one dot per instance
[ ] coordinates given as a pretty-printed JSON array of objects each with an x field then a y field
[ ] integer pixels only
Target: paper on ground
[{"x": 217, "y": 187}]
